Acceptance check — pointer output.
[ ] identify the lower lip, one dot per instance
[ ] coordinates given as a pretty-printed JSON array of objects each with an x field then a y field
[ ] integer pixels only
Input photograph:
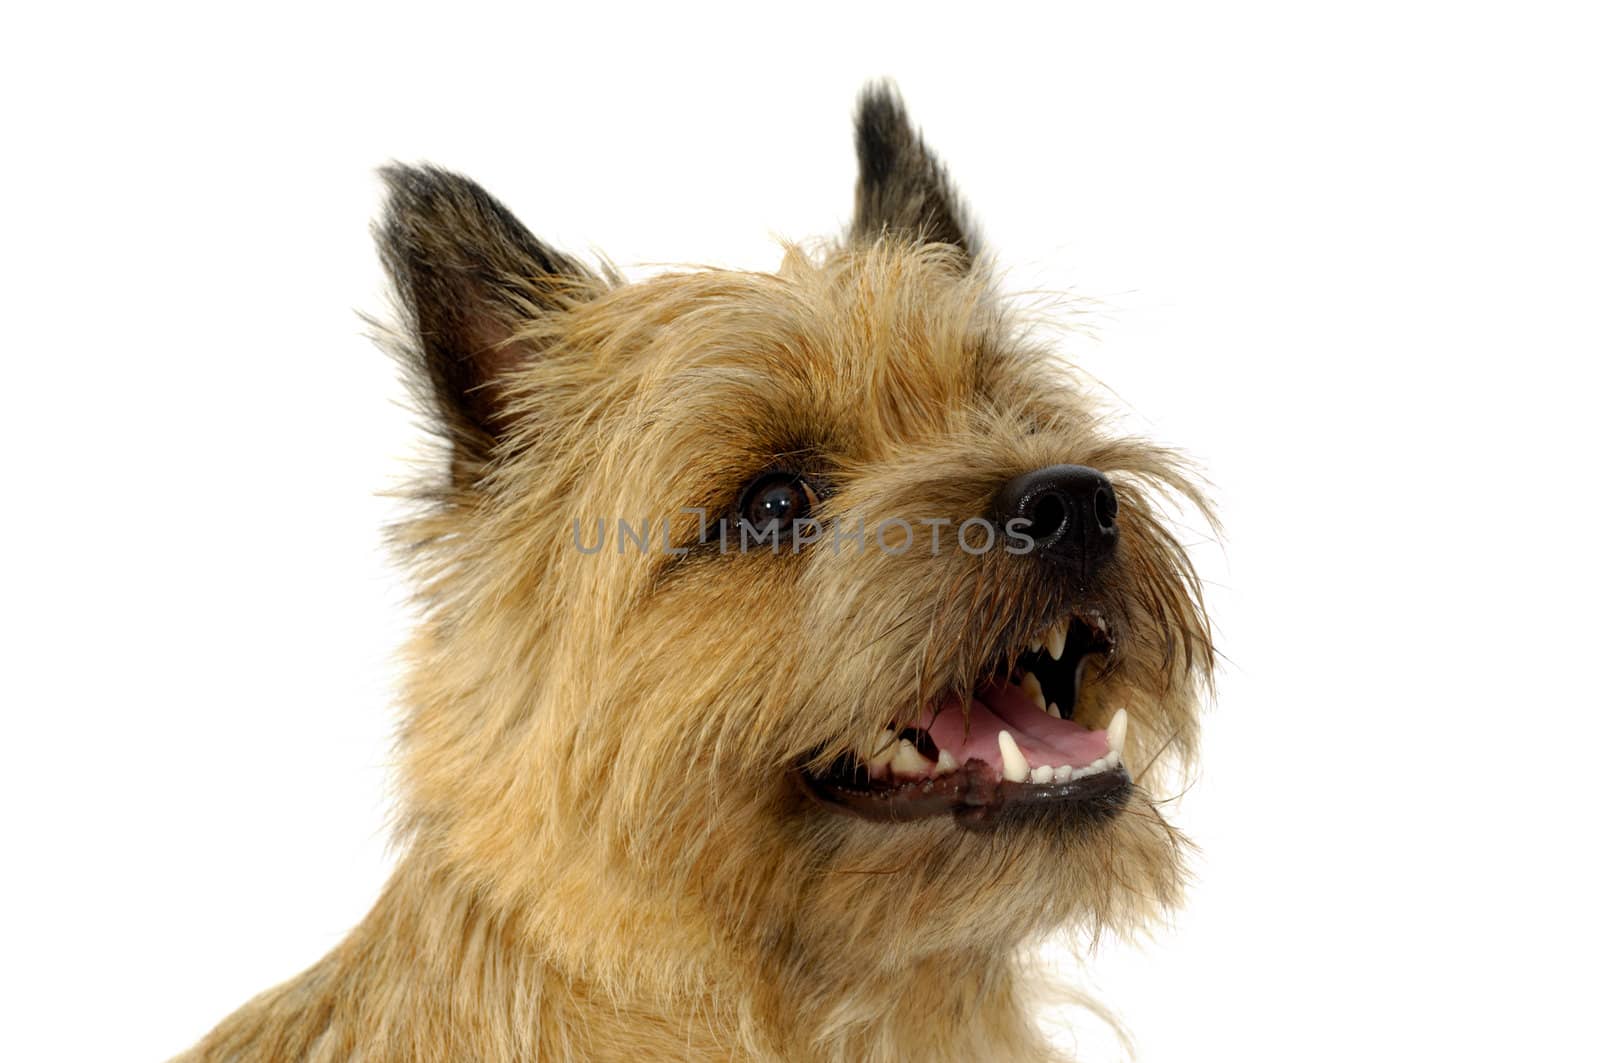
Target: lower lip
[{"x": 975, "y": 797}]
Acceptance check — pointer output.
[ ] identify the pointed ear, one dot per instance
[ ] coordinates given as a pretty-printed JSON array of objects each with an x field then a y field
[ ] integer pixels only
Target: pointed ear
[
  {"x": 902, "y": 188},
  {"x": 469, "y": 278}
]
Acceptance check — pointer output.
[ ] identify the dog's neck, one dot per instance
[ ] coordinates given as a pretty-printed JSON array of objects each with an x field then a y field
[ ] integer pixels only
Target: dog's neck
[{"x": 436, "y": 971}]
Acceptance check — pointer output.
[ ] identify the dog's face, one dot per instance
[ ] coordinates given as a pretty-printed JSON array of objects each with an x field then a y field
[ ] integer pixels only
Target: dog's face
[{"x": 887, "y": 645}]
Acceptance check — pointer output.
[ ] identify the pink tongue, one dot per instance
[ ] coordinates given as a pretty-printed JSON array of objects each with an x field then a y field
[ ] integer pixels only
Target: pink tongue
[{"x": 998, "y": 707}]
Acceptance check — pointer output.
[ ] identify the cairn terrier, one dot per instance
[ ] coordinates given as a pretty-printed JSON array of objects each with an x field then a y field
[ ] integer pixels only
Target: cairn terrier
[{"x": 797, "y": 649}]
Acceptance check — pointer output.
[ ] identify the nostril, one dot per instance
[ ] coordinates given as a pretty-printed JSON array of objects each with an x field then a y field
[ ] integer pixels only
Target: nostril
[
  {"x": 1047, "y": 516},
  {"x": 1071, "y": 514},
  {"x": 1105, "y": 508}
]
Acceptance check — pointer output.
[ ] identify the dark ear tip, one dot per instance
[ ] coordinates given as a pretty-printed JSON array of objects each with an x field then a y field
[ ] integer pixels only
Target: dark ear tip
[
  {"x": 880, "y": 104},
  {"x": 459, "y": 221},
  {"x": 901, "y": 186},
  {"x": 404, "y": 181},
  {"x": 414, "y": 193},
  {"x": 883, "y": 128},
  {"x": 419, "y": 187},
  {"x": 399, "y": 175}
]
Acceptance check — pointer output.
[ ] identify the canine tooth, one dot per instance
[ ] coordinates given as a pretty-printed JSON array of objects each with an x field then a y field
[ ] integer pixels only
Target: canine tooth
[
  {"x": 1036, "y": 645},
  {"x": 1054, "y": 710},
  {"x": 1058, "y": 641},
  {"x": 1043, "y": 773},
  {"x": 1117, "y": 731},
  {"x": 1113, "y": 758},
  {"x": 1031, "y": 687},
  {"x": 946, "y": 763},
  {"x": 882, "y": 748},
  {"x": 1013, "y": 765},
  {"x": 881, "y": 753},
  {"x": 907, "y": 761}
]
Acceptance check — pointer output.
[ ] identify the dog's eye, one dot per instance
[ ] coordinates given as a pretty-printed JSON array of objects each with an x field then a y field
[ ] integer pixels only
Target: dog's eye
[{"x": 776, "y": 497}]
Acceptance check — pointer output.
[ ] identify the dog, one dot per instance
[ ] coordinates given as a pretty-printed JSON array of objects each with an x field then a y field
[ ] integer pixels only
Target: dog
[{"x": 797, "y": 648}]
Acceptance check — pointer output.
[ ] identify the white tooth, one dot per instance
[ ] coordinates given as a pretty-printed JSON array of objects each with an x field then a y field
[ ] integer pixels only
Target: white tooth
[
  {"x": 1031, "y": 687},
  {"x": 1035, "y": 646},
  {"x": 881, "y": 753},
  {"x": 1013, "y": 765},
  {"x": 882, "y": 748},
  {"x": 1063, "y": 772},
  {"x": 1113, "y": 758},
  {"x": 1058, "y": 641},
  {"x": 946, "y": 763},
  {"x": 907, "y": 761},
  {"x": 1043, "y": 773},
  {"x": 1117, "y": 731},
  {"x": 1054, "y": 710}
]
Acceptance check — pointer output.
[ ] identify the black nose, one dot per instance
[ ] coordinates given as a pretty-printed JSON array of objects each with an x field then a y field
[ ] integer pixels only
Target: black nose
[{"x": 1071, "y": 514}]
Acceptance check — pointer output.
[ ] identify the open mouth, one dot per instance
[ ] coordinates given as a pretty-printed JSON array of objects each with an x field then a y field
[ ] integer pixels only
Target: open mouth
[{"x": 1011, "y": 743}]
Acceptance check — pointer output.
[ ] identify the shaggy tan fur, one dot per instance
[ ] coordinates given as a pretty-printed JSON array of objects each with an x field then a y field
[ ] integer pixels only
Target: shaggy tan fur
[{"x": 606, "y": 854}]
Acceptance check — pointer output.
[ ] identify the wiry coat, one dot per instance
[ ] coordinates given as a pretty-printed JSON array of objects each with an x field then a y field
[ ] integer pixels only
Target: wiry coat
[{"x": 606, "y": 854}]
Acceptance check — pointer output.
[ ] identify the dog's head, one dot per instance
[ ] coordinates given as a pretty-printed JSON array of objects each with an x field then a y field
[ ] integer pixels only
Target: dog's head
[{"x": 818, "y": 611}]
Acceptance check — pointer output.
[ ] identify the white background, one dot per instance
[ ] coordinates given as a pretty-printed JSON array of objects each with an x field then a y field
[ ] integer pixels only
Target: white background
[{"x": 1347, "y": 258}]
